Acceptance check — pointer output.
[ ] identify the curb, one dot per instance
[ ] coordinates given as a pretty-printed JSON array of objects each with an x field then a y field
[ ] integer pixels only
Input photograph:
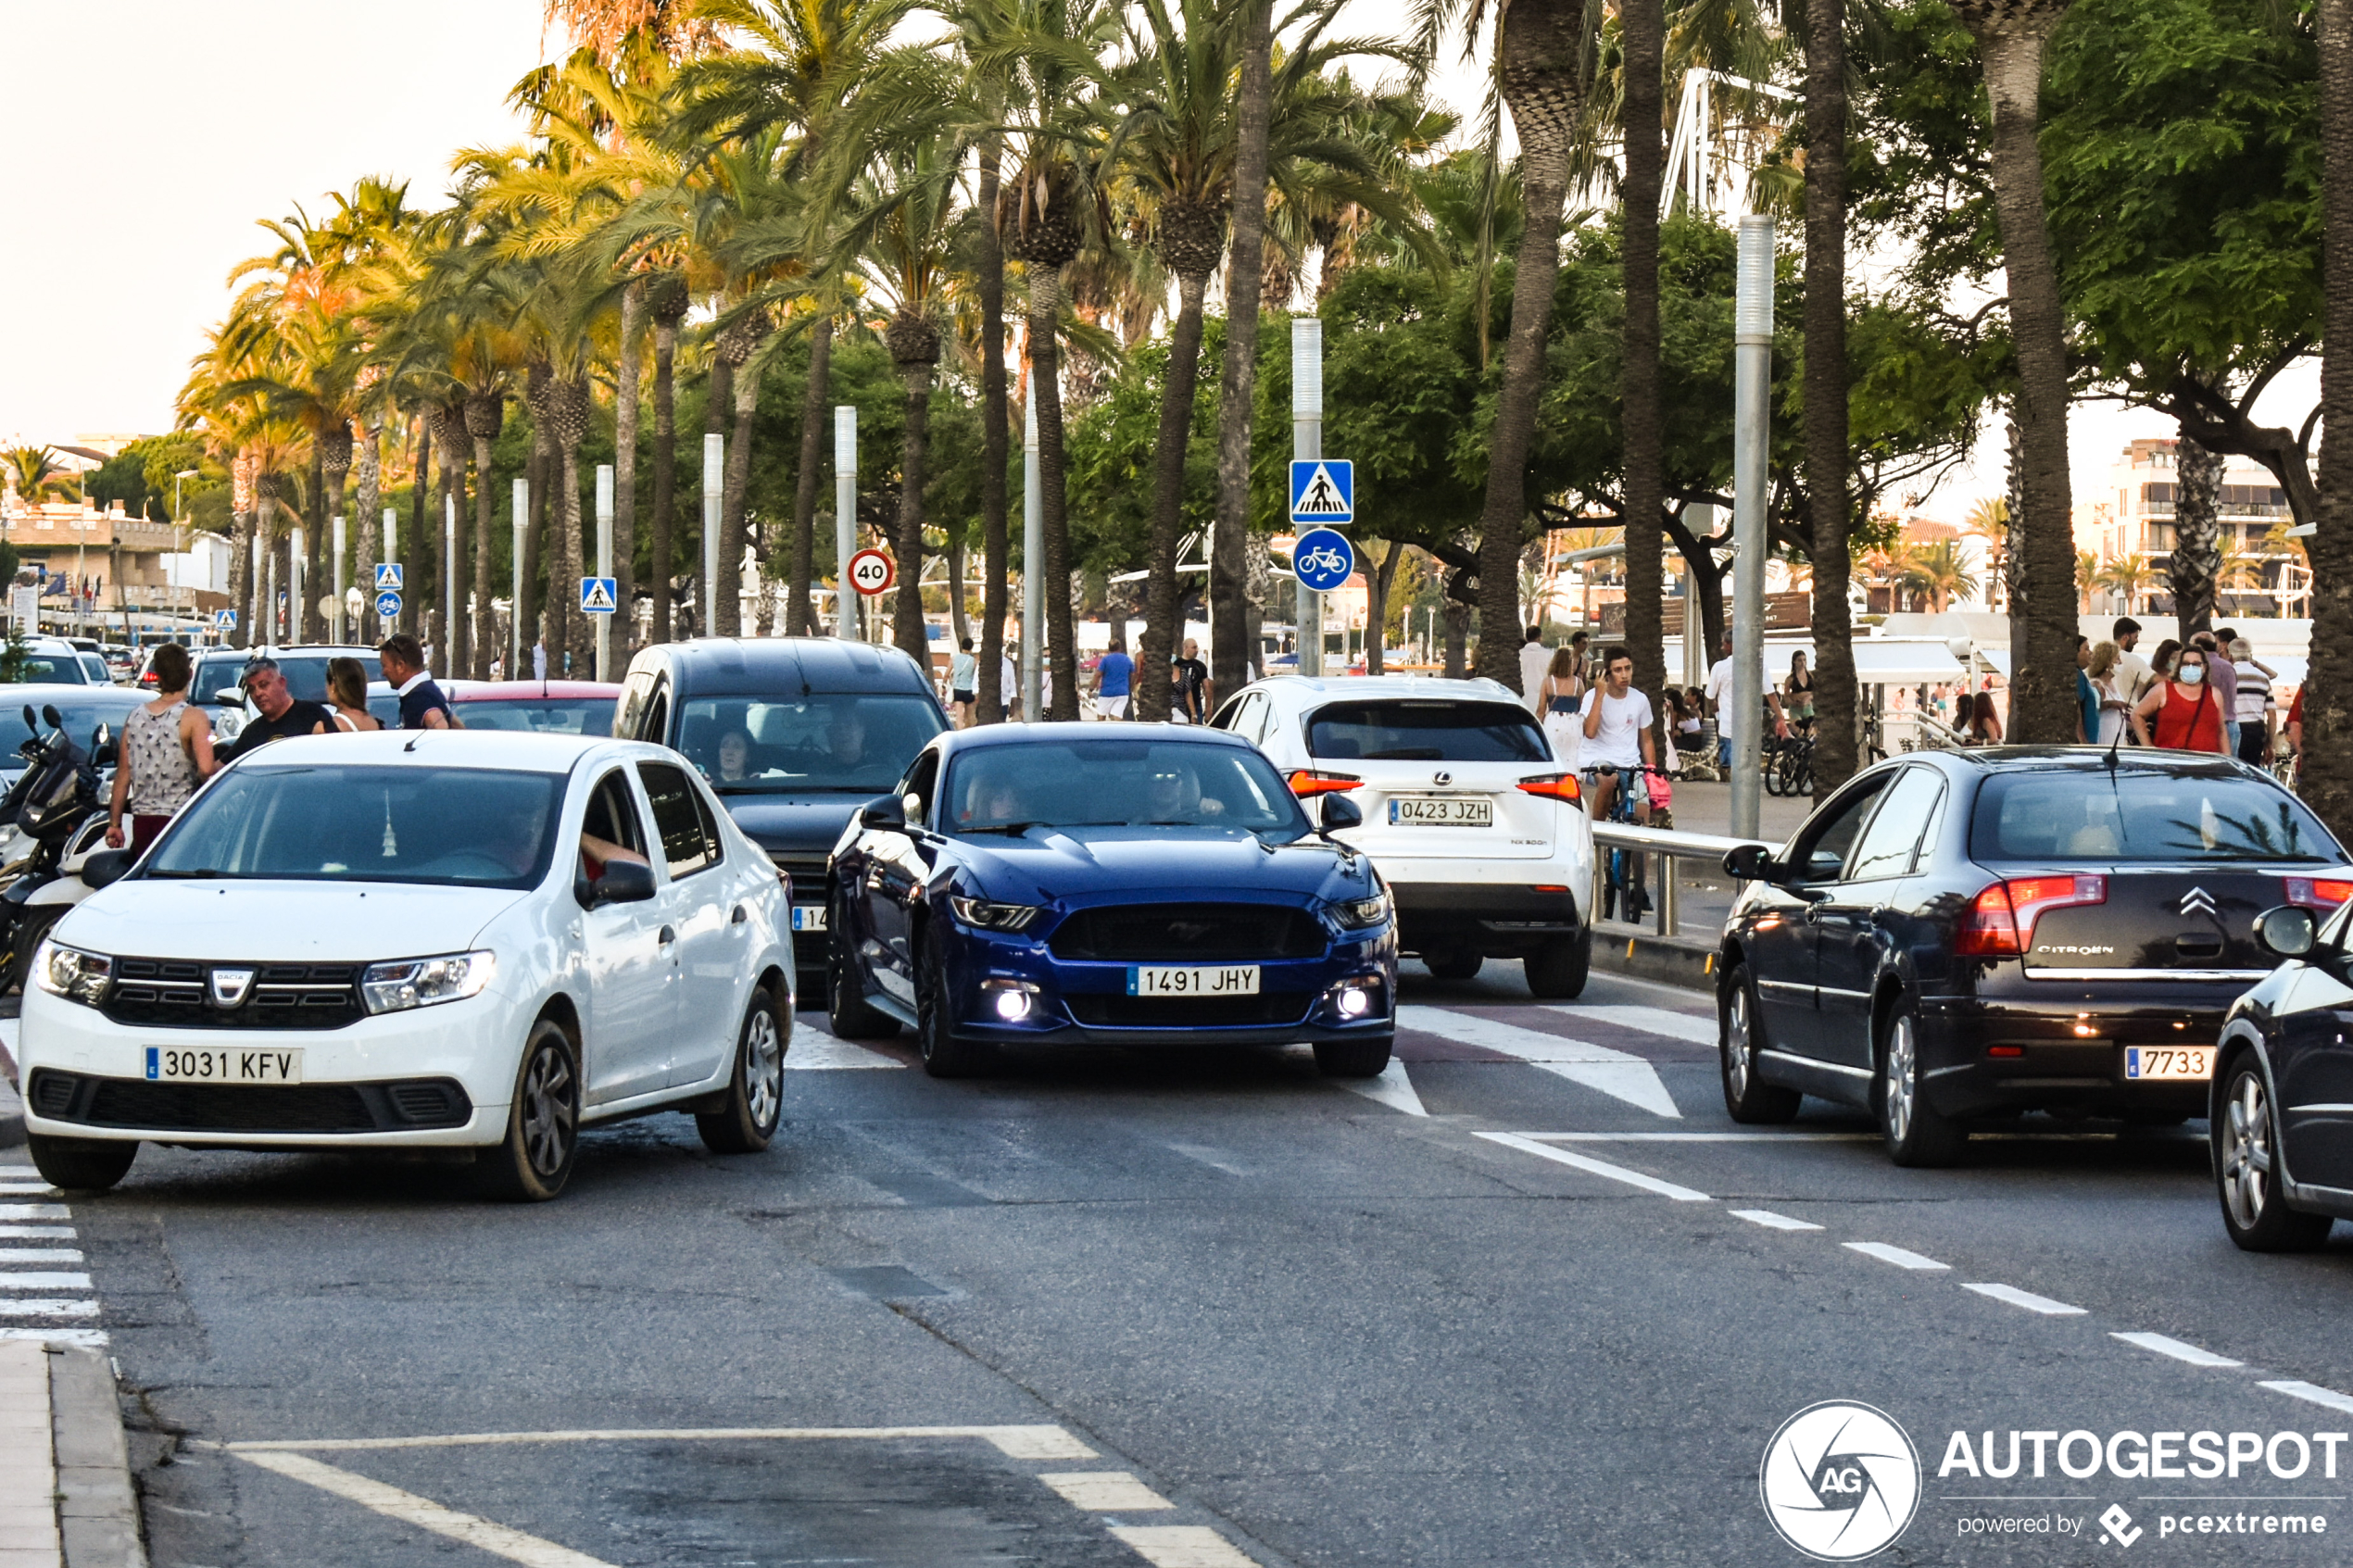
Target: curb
[
  {"x": 98, "y": 1510},
  {"x": 1683, "y": 962}
]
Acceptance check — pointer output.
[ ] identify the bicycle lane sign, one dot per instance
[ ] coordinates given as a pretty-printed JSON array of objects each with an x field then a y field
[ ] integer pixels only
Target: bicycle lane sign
[{"x": 1323, "y": 559}]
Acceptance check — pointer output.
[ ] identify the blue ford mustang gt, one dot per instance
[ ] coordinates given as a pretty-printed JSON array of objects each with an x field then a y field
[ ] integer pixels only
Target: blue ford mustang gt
[{"x": 1094, "y": 884}]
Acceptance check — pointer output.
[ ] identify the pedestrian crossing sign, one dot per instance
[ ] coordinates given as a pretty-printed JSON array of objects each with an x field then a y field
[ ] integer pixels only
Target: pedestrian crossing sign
[
  {"x": 388, "y": 577},
  {"x": 597, "y": 595},
  {"x": 1323, "y": 490},
  {"x": 225, "y": 619}
]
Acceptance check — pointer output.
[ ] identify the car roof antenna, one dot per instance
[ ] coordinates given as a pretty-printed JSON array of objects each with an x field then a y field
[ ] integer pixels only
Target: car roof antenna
[{"x": 412, "y": 744}]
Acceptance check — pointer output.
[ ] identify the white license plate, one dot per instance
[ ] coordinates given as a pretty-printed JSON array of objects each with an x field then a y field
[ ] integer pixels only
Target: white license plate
[
  {"x": 808, "y": 916},
  {"x": 1193, "y": 979},
  {"x": 238, "y": 1064},
  {"x": 2195, "y": 1062},
  {"x": 1442, "y": 811}
]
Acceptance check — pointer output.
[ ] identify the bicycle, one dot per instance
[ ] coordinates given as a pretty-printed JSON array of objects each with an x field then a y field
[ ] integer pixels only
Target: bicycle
[
  {"x": 1790, "y": 769},
  {"x": 1624, "y": 871}
]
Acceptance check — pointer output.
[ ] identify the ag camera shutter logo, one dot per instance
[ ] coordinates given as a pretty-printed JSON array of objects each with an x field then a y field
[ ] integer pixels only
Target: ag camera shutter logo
[{"x": 1840, "y": 1481}]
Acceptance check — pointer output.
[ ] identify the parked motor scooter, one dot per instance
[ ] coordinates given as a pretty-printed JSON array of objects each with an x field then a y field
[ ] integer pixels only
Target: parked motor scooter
[{"x": 59, "y": 805}]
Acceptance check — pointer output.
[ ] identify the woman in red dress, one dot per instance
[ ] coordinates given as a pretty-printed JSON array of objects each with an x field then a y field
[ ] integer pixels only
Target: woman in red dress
[{"x": 2182, "y": 709}]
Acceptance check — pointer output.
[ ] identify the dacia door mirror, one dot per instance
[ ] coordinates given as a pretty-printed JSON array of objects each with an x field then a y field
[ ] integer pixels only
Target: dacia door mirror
[
  {"x": 1752, "y": 862},
  {"x": 886, "y": 812},
  {"x": 107, "y": 867},
  {"x": 2287, "y": 931},
  {"x": 30, "y": 721},
  {"x": 1341, "y": 812},
  {"x": 49, "y": 712},
  {"x": 228, "y": 697},
  {"x": 624, "y": 881}
]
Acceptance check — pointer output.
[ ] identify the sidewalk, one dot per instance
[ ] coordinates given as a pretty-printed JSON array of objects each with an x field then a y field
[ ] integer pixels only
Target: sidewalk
[{"x": 65, "y": 1478}]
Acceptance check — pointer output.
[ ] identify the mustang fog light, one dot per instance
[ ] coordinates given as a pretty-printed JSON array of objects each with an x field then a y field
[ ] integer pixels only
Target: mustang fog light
[
  {"x": 72, "y": 973},
  {"x": 1012, "y": 1001},
  {"x": 422, "y": 983},
  {"x": 1355, "y": 999},
  {"x": 1355, "y": 1003}
]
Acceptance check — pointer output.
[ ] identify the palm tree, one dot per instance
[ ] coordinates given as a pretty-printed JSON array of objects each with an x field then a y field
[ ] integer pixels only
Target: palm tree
[
  {"x": 2011, "y": 35},
  {"x": 1989, "y": 519},
  {"x": 2196, "y": 563},
  {"x": 1937, "y": 570},
  {"x": 1825, "y": 393},
  {"x": 2327, "y": 780},
  {"x": 2127, "y": 574},
  {"x": 1238, "y": 372},
  {"x": 33, "y": 473},
  {"x": 1642, "y": 38}
]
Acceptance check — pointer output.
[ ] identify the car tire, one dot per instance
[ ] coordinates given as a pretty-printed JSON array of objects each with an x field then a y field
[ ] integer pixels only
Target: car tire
[
  {"x": 848, "y": 1013},
  {"x": 1918, "y": 1134},
  {"x": 1748, "y": 1099},
  {"x": 32, "y": 926},
  {"x": 944, "y": 1055},
  {"x": 755, "y": 1102},
  {"x": 1460, "y": 964},
  {"x": 534, "y": 1160},
  {"x": 81, "y": 1164},
  {"x": 1352, "y": 1058},
  {"x": 2246, "y": 1141},
  {"x": 1556, "y": 970}
]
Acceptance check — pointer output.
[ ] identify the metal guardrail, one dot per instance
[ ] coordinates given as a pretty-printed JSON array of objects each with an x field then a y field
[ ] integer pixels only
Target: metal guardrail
[{"x": 1667, "y": 848}]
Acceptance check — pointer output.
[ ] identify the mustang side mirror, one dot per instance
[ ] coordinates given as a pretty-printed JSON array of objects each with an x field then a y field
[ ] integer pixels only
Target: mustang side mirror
[
  {"x": 1752, "y": 862},
  {"x": 2287, "y": 931},
  {"x": 625, "y": 882},
  {"x": 107, "y": 867},
  {"x": 884, "y": 811},
  {"x": 1341, "y": 812}
]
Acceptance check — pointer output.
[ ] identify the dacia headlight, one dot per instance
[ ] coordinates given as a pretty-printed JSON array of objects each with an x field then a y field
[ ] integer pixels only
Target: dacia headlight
[
  {"x": 1359, "y": 913},
  {"x": 422, "y": 983},
  {"x": 72, "y": 973},
  {"x": 987, "y": 915}
]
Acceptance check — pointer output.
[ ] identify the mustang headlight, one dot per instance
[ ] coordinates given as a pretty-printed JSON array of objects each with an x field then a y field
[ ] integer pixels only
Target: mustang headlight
[
  {"x": 421, "y": 982},
  {"x": 72, "y": 973},
  {"x": 1358, "y": 913},
  {"x": 989, "y": 916}
]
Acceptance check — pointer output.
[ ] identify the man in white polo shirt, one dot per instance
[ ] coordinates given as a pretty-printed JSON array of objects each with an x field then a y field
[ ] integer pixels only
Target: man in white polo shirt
[
  {"x": 1618, "y": 735},
  {"x": 1535, "y": 659}
]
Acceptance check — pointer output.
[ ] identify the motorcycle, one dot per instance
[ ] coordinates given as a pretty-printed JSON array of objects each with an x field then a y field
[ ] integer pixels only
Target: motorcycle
[{"x": 58, "y": 804}]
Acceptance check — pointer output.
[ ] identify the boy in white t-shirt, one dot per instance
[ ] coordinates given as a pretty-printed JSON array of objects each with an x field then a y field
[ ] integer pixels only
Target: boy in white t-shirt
[{"x": 1618, "y": 733}]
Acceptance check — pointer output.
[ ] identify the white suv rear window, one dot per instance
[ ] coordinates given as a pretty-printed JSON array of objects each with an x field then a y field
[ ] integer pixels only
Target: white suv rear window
[{"x": 1407, "y": 730}]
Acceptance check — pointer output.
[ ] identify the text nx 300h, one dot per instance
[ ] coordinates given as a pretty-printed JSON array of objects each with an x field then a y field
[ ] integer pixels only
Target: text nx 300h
[{"x": 1079, "y": 884}]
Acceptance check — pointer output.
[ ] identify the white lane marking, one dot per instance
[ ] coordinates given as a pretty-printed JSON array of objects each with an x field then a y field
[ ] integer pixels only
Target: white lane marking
[
  {"x": 1616, "y": 1074},
  {"x": 1773, "y": 1222},
  {"x": 1014, "y": 1442},
  {"x": 2296, "y": 1389},
  {"x": 1597, "y": 1167},
  {"x": 35, "y": 1211},
  {"x": 814, "y": 1050},
  {"x": 1215, "y": 1159},
  {"x": 39, "y": 1255},
  {"x": 1903, "y": 1258},
  {"x": 2180, "y": 1350},
  {"x": 2027, "y": 1299},
  {"x": 1182, "y": 1546},
  {"x": 1106, "y": 1491},
  {"x": 43, "y": 1307},
  {"x": 1392, "y": 1088},
  {"x": 34, "y": 1188},
  {"x": 43, "y": 1281},
  {"x": 1690, "y": 1027},
  {"x": 88, "y": 1338},
  {"x": 427, "y": 1514},
  {"x": 1705, "y": 1137},
  {"x": 36, "y": 1233}
]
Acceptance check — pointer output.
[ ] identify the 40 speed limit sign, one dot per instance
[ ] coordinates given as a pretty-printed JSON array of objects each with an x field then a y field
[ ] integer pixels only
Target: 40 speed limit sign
[{"x": 870, "y": 572}]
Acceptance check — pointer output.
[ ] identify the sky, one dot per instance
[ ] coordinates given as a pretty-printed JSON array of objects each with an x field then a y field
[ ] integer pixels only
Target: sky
[{"x": 142, "y": 172}]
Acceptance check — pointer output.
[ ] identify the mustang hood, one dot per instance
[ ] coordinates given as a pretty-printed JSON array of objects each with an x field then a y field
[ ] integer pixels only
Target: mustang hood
[
  {"x": 282, "y": 921},
  {"x": 809, "y": 823},
  {"x": 1143, "y": 865}
]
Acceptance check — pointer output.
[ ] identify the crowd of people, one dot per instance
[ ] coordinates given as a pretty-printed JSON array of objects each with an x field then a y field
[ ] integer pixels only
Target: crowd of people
[{"x": 1107, "y": 681}]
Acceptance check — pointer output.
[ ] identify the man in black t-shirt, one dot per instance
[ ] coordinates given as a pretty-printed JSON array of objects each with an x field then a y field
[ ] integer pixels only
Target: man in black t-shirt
[
  {"x": 1190, "y": 676},
  {"x": 282, "y": 713}
]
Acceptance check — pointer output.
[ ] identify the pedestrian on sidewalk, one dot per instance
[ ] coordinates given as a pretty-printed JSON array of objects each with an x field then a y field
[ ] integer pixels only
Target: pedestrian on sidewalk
[
  {"x": 2251, "y": 679},
  {"x": 2181, "y": 713},
  {"x": 166, "y": 752},
  {"x": 423, "y": 706},
  {"x": 2222, "y": 679},
  {"x": 2133, "y": 674},
  {"x": 2103, "y": 669},
  {"x": 1535, "y": 660},
  {"x": 1112, "y": 674},
  {"x": 347, "y": 699},
  {"x": 1984, "y": 719},
  {"x": 964, "y": 681},
  {"x": 282, "y": 713},
  {"x": 1617, "y": 728},
  {"x": 1561, "y": 697},
  {"x": 1189, "y": 678}
]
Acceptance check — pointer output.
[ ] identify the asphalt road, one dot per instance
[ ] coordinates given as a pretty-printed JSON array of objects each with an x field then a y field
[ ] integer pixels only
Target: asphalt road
[{"x": 1212, "y": 1311}]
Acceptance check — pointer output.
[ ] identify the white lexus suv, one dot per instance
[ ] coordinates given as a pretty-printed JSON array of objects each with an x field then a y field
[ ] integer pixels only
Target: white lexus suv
[{"x": 1478, "y": 830}]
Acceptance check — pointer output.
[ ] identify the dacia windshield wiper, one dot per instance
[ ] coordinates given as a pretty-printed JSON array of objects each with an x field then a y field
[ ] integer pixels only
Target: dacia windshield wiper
[{"x": 204, "y": 873}]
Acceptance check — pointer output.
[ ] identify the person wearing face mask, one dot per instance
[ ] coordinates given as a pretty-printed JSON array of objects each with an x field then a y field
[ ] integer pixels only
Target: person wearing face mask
[{"x": 2181, "y": 709}]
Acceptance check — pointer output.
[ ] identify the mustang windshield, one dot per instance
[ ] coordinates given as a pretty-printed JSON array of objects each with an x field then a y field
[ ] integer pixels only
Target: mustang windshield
[
  {"x": 1119, "y": 784},
  {"x": 2134, "y": 815},
  {"x": 450, "y": 827},
  {"x": 820, "y": 743}
]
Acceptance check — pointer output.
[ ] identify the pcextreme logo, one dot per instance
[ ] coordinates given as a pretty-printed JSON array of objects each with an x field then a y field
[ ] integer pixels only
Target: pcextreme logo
[{"x": 1840, "y": 1481}]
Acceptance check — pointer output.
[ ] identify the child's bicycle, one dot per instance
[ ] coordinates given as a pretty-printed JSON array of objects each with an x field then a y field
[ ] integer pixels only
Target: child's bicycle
[{"x": 1623, "y": 895}]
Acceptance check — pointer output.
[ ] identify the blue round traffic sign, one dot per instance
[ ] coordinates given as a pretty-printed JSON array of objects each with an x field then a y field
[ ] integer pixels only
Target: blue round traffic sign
[
  {"x": 387, "y": 605},
  {"x": 1323, "y": 558}
]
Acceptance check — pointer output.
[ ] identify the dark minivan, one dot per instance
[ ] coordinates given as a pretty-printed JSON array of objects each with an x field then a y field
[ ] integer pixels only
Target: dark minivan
[{"x": 793, "y": 735}]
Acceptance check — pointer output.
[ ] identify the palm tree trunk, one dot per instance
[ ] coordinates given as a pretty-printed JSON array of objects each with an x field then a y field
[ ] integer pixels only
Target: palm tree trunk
[
  {"x": 1644, "y": 24},
  {"x": 1541, "y": 41},
  {"x": 1162, "y": 601},
  {"x": 481, "y": 622},
  {"x": 959, "y": 618},
  {"x": 908, "y": 629},
  {"x": 2011, "y": 35},
  {"x": 335, "y": 451},
  {"x": 1825, "y": 392},
  {"x": 2328, "y": 704},
  {"x": 305, "y": 619},
  {"x": 802, "y": 574},
  {"x": 1045, "y": 378},
  {"x": 661, "y": 561},
  {"x": 240, "y": 588},
  {"x": 578, "y": 635},
  {"x": 2196, "y": 559},
  {"x": 625, "y": 474},
  {"x": 733, "y": 501},
  {"x": 449, "y": 431},
  {"x": 1230, "y": 649},
  {"x": 996, "y": 432},
  {"x": 369, "y": 464},
  {"x": 417, "y": 593},
  {"x": 1377, "y": 583},
  {"x": 534, "y": 608}
]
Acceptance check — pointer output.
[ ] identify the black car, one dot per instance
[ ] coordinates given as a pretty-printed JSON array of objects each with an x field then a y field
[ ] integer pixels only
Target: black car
[
  {"x": 2280, "y": 1119},
  {"x": 794, "y": 735},
  {"x": 1959, "y": 935}
]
